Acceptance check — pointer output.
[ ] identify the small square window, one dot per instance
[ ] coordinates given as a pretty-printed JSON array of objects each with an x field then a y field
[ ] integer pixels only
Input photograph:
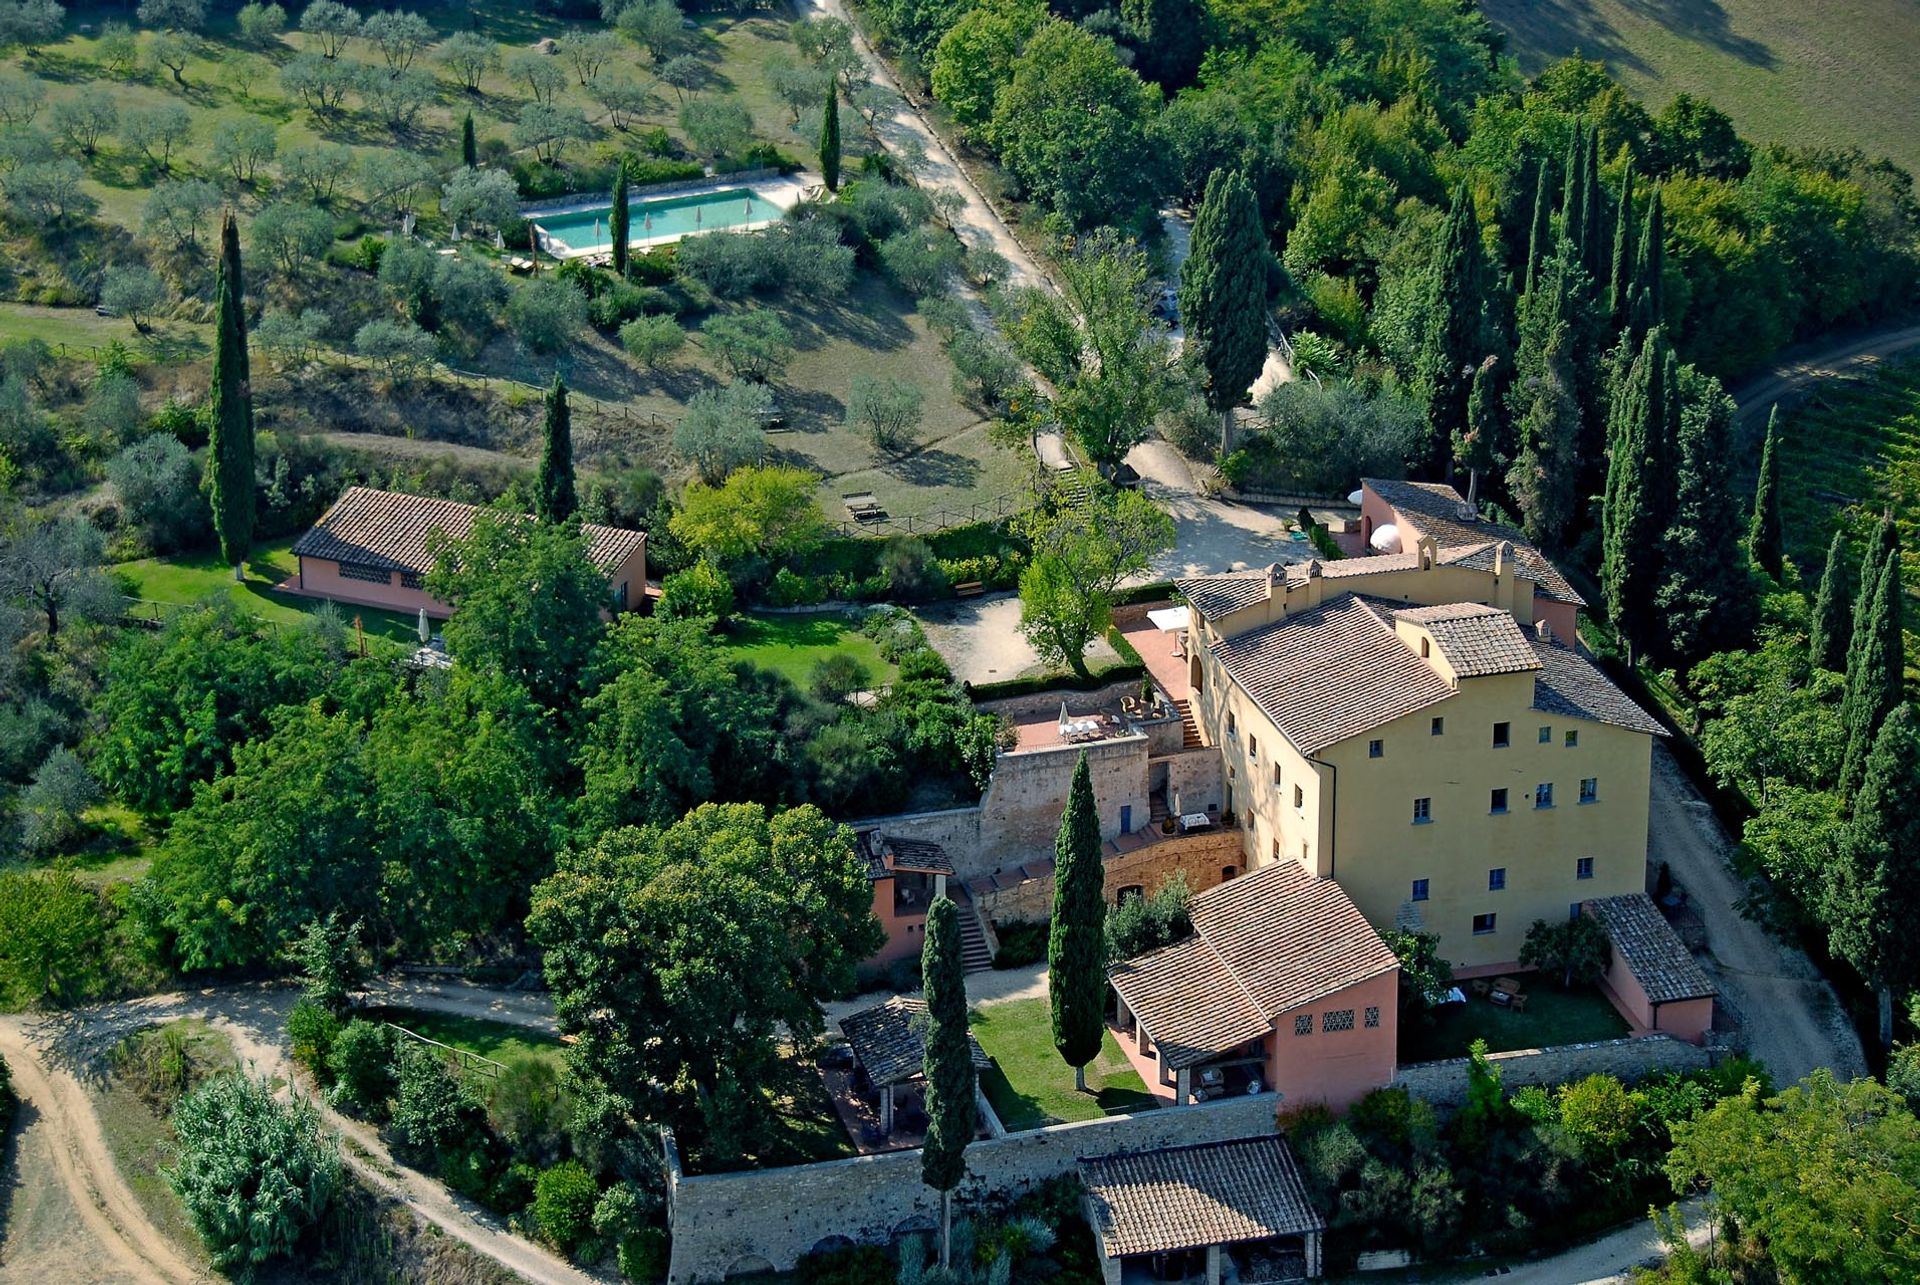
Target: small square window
[
  {"x": 1439, "y": 727},
  {"x": 1573, "y": 739},
  {"x": 1422, "y": 811},
  {"x": 1583, "y": 868},
  {"x": 1419, "y": 889},
  {"x": 1496, "y": 879},
  {"x": 1502, "y": 735},
  {"x": 1373, "y": 1016},
  {"x": 1376, "y": 749},
  {"x": 1336, "y": 1020},
  {"x": 1498, "y": 803},
  {"x": 1303, "y": 1024},
  {"x": 1299, "y": 797},
  {"x": 1546, "y": 736},
  {"x": 1589, "y": 789},
  {"x": 1543, "y": 795},
  {"x": 1482, "y": 925}
]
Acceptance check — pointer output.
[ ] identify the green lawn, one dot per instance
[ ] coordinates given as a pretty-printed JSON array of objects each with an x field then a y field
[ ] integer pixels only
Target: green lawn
[
  {"x": 194, "y": 578},
  {"x": 1552, "y": 1017},
  {"x": 1809, "y": 74},
  {"x": 1029, "y": 1086},
  {"x": 500, "y": 1041},
  {"x": 793, "y": 645}
]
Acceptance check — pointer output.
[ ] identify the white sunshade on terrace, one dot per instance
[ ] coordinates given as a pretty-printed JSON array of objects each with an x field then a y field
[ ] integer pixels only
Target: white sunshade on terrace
[{"x": 1170, "y": 619}]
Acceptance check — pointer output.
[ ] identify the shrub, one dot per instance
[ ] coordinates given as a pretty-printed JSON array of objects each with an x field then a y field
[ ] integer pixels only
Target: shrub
[
  {"x": 528, "y": 1109},
  {"x": 1140, "y": 924},
  {"x": 1020, "y": 944},
  {"x": 361, "y": 1067},
  {"x": 912, "y": 573},
  {"x": 9, "y": 1100},
  {"x": 312, "y": 1030},
  {"x": 563, "y": 1202},
  {"x": 838, "y": 676},
  {"x": 853, "y": 1265},
  {"x": 645, "y": 1254},
  {"x": 701, "y": 590},
  {"x": 432, "y": 1113},
  {"x": 790, "y": 589}
]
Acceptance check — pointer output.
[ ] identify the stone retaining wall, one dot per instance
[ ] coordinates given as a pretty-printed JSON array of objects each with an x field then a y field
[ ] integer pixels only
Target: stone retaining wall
[
  {"x": 1444, "y": 1083},
  {"x": 1200, "y": 857},
  {"x": 734, "y": 1223}
]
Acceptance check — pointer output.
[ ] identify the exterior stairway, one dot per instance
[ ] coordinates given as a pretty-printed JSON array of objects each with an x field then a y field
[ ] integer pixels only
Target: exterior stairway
[
  {"x": 1188, "y": 725},
  {"x": 974, "y": 955}
]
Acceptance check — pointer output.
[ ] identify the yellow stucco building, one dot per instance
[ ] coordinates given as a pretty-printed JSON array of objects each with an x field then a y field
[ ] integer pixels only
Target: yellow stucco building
[{"x": 1411, "y": 726}]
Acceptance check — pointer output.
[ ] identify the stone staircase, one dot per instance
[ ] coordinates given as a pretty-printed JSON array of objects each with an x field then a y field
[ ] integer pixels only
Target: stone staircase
[
  {"x": 974, "y": 955},
  {"x": 1189, "y": 725}
]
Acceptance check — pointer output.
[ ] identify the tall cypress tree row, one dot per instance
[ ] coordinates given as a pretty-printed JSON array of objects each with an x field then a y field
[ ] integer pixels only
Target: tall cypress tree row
[
  {"x": 620, "y": 220},
  {"x": 554, "y": 499},
  {"x": 947, "y": 1064},
  {"x": 1649, "y": 272},
  {"x": 469, "y": 144},
  {"x": 1831, "y": 628},
  {"x": 1620, "y": 279},
  {"x": 1880, "y": 546},
  {"x": 830, "y": 137},
  {"x": 1573, "y": 193},
  {"x": 1077, "y": 938},
  {"x": 1876, "y": 667},
  {"x": 1479, "y": 447},
  {"x": 1540, "y": 235},
  {"x": 1594, "y": 245},
  {"x": 1452, "y": 328},
  {"x": 1875, "y": 899},
  {"x": 1544, "y": 479},
  {"x": 1223, "y": 289},
  {"x": 230, "y": 442},
  {"x": 1634, "y": 516},
  {"x": 1766, "y": 535},
  {"x": 1706, "y": 597}
]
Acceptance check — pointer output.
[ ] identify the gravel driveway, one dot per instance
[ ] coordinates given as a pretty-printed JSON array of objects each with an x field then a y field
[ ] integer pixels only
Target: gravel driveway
[{"x": 1790, "y": 1016}]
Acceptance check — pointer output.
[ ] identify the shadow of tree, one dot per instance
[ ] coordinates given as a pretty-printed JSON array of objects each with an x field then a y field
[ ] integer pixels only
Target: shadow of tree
[
  {"x": 934, "y": 467},
  {"x": 1707, "y": 22}
]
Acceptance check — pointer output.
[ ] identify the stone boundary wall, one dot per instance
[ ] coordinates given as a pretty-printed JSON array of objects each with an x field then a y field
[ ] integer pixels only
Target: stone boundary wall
[
  {"x": 1199, "y": 856},
  {"x": 768, "y": 1218},
  {"x": 1444, "y": 1083}
]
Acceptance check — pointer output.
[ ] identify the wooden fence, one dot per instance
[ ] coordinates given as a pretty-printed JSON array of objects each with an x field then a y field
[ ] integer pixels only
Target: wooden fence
[{"x": 464, "y": 1061}]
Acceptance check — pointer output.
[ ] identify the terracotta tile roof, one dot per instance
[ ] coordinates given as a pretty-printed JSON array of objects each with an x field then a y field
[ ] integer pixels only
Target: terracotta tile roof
[
  {"x": 889, "y": 1041},
  {"x": 1217, "y": 596},
  {"x": 1571, "y": 684},
  {"x": 907, "y": 854},
  {"x": 1476, "y": 640},
  {"x": 390, "y": 530},
  {"x": 1331, "y": 672},
  {"x": 1211, "y": 1193},
  {"x": 1262, "y": 944},
  {"x": 1439, "y": 511},
  {"x": 1644, "y": 941}
]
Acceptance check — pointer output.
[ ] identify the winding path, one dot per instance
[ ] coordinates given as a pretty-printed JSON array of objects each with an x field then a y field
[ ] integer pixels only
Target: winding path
[{"x": 1759, "y": 394}]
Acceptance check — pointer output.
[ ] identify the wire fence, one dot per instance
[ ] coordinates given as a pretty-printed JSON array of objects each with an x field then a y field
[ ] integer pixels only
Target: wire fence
[{"x": 997, "y": 509}]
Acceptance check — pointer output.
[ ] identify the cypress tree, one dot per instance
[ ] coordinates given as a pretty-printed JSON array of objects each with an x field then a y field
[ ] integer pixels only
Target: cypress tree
[
  {"x": 1544, "y": 479},
  {"x": 1875, "y": 900},
  {"x": 1766, "y": 536},
  {"x": 1573, "y": 193},
  {"x": 1479, "y": 446},
  {"x": 1077, "y": 938},
  {"x": 554, "y": 499},
  {"x": 1706, "y": 601},
  {"x": 620, "y": 220},
  {"x": 1594, "y": 245},
  {"x": 230, "y": 442},
  {"x": 1540, "y": 236},
  {"x": 1634, "y": 518},
  {"x": 1649, "y": 272},
  {"x": 947, "y": 1065},
  {"x": 1223, "y": 289},
  {"x": 1620, "y": 281},
  {"x": 1876, "y": 668},
  {"x": 469, "y": 144},
  {"x": 1832, "y": 624},
  {"x": 830, "y": 138},
  {"x": 1880, "y": 546},
  {"x": 1452, "y": 328}
]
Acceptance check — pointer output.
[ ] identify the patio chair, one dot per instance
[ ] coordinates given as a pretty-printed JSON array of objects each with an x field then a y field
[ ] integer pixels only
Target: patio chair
[
  {"x": 1518, "y": 1003},
  {"x": 1482, "y": 987}
]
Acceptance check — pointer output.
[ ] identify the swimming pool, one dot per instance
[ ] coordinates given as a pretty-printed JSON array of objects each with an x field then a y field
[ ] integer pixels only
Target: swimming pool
[{"x": 657, "y": 220}]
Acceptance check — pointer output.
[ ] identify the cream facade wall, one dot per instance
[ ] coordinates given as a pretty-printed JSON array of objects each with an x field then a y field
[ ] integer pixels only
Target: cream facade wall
[{"x": 1263, "y": 772}]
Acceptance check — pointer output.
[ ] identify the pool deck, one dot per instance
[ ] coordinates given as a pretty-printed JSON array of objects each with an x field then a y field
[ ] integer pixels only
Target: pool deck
[{"x": 784, "y": 192}]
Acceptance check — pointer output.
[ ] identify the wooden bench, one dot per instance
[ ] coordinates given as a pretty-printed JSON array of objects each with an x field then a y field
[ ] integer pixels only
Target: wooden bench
[{"x": 971, "y": 589}]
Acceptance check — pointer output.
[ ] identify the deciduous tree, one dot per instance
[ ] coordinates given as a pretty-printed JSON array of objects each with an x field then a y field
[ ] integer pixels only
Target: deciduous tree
[{"x": 1080, "y": 556}]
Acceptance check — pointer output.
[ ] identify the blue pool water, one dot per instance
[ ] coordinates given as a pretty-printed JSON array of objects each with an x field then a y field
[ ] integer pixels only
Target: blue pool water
[{"x": 585, "y": 231}]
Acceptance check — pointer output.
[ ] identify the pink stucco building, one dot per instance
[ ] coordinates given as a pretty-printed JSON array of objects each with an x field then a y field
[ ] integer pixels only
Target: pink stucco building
[
  {"x": 373, "y": 549},
  {"x": 1651, "y": 977}
]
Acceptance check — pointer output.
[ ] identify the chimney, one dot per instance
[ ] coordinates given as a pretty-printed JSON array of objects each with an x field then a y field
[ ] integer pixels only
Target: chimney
[
  {"x": 1313, "y": 582},
  {"x": 1544, "y": 630},
  {"x": 1502, "y": 555},
  {"x": 1276, "y": 580}
]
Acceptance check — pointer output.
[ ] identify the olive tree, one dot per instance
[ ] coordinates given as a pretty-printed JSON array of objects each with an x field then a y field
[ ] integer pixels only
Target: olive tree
[
  {"x": 887, "y": 410},
  {"x": 721, "y": 430},
  {"x": 469, "y": 56},
  {"x": 479, "y": 198},
  {"x": 134, "y": 292}
]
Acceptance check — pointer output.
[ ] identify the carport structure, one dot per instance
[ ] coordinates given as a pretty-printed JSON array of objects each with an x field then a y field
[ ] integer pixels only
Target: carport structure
[
  {"x": 1215, "y": 1211},
  {"x": 889, "y": 1043}
]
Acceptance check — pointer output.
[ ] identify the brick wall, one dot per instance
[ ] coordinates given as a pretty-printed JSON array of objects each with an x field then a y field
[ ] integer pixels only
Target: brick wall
[
  {"x": 1199, "y": 856},
  {"x": 1444, "y": 1083},
  {"x": 738, "y": 1221}
]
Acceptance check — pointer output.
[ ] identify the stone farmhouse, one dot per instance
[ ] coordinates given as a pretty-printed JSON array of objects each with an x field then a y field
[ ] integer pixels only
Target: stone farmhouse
[{"x": 372, "y": 549}]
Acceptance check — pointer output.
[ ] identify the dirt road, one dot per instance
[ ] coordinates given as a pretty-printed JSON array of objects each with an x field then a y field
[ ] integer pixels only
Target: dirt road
[
  {"x": 1758, "y": 396},
  {"x": 1789, "y": 1014}
]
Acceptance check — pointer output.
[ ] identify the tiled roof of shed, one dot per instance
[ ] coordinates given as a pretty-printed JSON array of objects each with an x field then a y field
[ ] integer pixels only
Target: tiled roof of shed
[
  {"x": 1262, "y": 944},
  {"x": 1210, "y": 1193},
  {"x": 1440, "y": 511},
  {"x": 1476, "y": 640},
  {"x": 1331, "y": 672},
  {"x": 1571, "y": 684},
  {"x": 889, "y": 1041},
  {"x": 907, "y": 854},
  {"x": 1649, "y": 947},
  {"x": 390, "y": 530}
]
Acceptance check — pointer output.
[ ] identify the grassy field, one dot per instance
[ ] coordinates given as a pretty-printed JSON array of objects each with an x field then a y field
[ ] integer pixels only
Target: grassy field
[
  {"x": 499, "y": 1041},
  {"x": 1029, "y": 1086},
  {"x": 1552, "y": 1017},
  {"x": 1820, "y": 74},
  {"x": 194, "y": 578},
  {"x": 793, "y": 645},
  {"x": 141, "y": 1137}
]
